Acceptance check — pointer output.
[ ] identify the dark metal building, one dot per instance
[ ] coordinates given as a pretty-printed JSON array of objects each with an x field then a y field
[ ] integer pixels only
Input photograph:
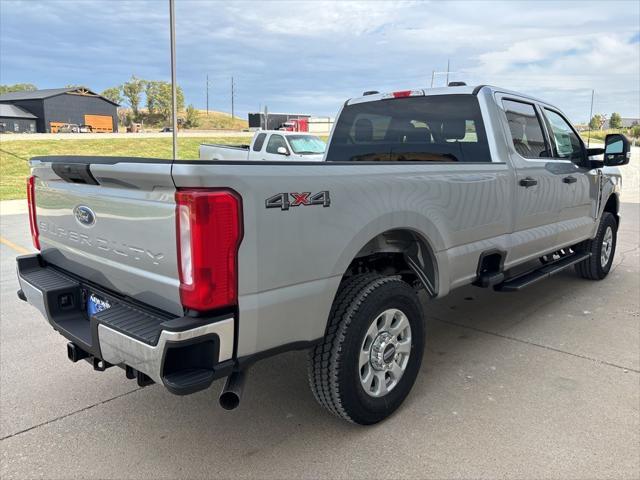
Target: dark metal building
[
  {"x": 273, "y": 121},
  {"x": 17, "y": 120},
  {"x": 56, "y": 106}
]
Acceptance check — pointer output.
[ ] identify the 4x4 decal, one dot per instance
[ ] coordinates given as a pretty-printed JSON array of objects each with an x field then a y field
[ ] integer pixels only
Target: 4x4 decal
[{"x": 284, "y": 201}]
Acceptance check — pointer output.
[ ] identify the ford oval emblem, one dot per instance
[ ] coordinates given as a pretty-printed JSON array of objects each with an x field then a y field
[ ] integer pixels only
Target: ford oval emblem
[{"x": 84, "y": 215}]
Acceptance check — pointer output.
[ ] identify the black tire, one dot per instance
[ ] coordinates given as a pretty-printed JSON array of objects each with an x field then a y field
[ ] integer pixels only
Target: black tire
[
  {"x": 334, "y": 374},
  {"x": 592, "y": 268}
]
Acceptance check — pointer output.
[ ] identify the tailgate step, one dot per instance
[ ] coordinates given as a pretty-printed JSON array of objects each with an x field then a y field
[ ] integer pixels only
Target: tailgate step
[
  {"x": 143, "y": 326},
  {"x": 48, "y": 279},
  {"x": 518, "y": 283}
]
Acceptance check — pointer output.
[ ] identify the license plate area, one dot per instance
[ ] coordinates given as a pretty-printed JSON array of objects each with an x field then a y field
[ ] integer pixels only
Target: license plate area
[{"x": 96, "y": 303}]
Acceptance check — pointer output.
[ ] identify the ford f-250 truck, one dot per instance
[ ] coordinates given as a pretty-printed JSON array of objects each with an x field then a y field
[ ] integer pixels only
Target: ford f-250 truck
[
  {"x": 181, "y": 272},
  {"x": 269, "y": 145}
]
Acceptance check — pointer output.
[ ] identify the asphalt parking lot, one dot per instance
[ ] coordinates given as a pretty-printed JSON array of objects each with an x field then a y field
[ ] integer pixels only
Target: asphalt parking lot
[{"x": 539, "y": 384}]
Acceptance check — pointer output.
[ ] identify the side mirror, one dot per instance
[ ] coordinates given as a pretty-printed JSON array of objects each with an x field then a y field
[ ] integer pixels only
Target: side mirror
[
  {"x": 617, "y": 150},
  {"x": 282, "y": 151}
]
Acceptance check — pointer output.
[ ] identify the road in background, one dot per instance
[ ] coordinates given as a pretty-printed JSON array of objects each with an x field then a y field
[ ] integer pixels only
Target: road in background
[{"x": 538, "y": 384}]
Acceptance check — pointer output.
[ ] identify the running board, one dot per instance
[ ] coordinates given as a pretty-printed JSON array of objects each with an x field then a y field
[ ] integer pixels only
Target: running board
[{"x": 518, "y": 283}]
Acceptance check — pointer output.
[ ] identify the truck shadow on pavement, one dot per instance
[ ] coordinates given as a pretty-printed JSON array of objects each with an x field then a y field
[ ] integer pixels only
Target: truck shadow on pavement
[{"x": 277, "y": 395}]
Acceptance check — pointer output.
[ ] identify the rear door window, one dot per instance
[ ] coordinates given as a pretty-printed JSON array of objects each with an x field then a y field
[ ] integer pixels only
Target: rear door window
[
  {"x": 436, "y": 128},
  {"x": 526, "y": 130},
  {"x": 257, "y": 145}
]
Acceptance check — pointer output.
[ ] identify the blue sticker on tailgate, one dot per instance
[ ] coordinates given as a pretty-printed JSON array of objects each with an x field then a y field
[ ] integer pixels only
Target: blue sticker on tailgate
[{"x": 96, "y": 304}]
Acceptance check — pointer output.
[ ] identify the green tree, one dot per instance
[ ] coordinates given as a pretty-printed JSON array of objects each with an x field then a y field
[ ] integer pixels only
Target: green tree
[
  {"x": 594, "y": 123},
  {"x": 615, "y": 121},
  {"x": 132, "y": 91},
  {"x": 162, "y": 99},
  {"x": 114, "y": 94},
  {"x": 17, "y": 87},
  {"x": 152, "y": 90},
  {"x": 193, "y": 118}
]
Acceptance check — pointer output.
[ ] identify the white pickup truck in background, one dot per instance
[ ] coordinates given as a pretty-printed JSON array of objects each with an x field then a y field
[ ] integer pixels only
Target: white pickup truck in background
[{"x": 269, "y": 145}]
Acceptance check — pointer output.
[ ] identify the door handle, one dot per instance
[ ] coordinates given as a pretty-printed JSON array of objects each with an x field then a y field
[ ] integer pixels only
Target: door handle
[
  {"x": 528, "y": 182},
  {"x": 569, "y": 179}
]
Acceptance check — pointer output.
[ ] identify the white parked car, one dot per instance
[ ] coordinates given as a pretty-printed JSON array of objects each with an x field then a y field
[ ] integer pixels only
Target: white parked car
[{"x": 269, "y": 145}]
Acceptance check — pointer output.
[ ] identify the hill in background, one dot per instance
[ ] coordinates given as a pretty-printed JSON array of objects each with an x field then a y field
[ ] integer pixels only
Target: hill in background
[
  {"x": 213, "y": 121},
  {"x": 219, "y": 120}
]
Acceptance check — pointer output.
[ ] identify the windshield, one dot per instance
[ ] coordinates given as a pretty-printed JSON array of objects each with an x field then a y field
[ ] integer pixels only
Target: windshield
[
  {"x": 306, "y": 144},
  {"x": 434, "y": 128}
]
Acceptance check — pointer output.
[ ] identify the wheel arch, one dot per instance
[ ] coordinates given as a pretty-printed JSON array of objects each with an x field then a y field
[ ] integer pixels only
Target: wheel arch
[
  {"x": 404, "y": 251},
  {"x": 612, "y": 205}
]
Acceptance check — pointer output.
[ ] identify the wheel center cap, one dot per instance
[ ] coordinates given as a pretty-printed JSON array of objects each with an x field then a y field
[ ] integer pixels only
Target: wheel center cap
[
  {"x": 383, "y": 351},
  {"x": 388, "y": 353}
]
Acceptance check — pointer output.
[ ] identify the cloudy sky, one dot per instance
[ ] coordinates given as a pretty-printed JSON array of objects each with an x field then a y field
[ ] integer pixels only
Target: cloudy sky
[{"x": 309, "y": 56}]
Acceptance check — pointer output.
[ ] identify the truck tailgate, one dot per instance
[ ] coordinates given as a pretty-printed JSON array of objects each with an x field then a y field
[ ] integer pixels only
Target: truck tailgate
[{"x": 112, "y": 222}]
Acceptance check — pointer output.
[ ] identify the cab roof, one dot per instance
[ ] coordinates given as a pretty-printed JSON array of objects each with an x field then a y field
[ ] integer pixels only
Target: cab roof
[
  {"x": 284, "y": 132},
  {"x": 457, "y": 90}
]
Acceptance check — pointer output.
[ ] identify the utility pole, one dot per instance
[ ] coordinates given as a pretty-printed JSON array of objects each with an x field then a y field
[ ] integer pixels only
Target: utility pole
[
  {"x": 433, "y": 74},
  {"x": 590, "y": 117},
  {"x": 447, "y": 72},
  {"x": 174, "y": 103},
  {"x": 207, "y": 94},
  {"x": 232, "y": 99}
]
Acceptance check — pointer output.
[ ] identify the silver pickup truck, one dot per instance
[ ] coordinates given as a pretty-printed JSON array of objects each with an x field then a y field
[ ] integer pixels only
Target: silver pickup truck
[{"x": 182, "y": 272}]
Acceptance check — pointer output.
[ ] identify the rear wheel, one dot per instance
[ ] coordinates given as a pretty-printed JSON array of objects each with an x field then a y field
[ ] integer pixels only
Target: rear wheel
[
  {"x": 372, "y": 352},
  {"x": 602, "y": 248}
]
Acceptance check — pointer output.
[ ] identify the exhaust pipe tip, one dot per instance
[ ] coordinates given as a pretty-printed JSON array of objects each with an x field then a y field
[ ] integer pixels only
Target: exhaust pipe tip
[
  {"x": 229, "y": 400},
  {"x": 232, "y": 391}
]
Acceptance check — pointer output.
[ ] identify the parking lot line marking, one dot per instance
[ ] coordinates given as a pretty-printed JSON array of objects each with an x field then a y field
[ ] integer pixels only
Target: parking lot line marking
[
  {"x": 13, "y": 246},
  {"x": 62, "y": 417}
]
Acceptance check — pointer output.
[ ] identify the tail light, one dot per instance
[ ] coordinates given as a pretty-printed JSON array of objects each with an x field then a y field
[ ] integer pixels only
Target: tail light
[
  {"x": 31, "y": 199},
  {"x": 209, "y": 231}
]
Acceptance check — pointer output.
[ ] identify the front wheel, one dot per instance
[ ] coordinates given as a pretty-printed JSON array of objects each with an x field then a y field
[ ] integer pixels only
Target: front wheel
[
  {"x": 602, "y": 248},
  {"x": 372, "y": 352}
]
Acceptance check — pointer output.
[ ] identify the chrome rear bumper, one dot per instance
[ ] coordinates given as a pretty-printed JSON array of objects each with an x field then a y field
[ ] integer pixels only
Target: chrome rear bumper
[{"x": 185, "y": 354}]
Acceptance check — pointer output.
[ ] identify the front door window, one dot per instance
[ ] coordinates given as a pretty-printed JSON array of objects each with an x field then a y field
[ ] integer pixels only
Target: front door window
[{"x": 564, "y": 141}]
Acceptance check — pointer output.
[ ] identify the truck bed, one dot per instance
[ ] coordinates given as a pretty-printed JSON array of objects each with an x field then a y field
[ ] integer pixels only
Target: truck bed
[{"x": 215, "y": 151}]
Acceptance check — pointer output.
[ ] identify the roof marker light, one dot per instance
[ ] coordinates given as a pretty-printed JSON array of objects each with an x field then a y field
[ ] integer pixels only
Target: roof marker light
[{"x": 403, "y": 94}]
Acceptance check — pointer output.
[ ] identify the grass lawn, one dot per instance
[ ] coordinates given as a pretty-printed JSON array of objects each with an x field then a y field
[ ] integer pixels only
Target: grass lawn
[{"x": 15, "y": 155}]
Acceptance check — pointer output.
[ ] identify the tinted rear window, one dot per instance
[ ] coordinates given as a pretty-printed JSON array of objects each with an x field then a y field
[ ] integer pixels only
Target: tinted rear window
[
  {"x": 443, "y": 128},
  {"x": 257, "y": 145}
]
